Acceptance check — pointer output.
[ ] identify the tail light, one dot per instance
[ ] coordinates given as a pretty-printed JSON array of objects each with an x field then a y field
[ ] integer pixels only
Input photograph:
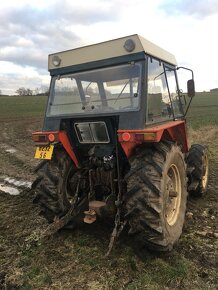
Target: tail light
[
  {"x": 44, "y": 138},
  {"x": 138, "y": 137}
]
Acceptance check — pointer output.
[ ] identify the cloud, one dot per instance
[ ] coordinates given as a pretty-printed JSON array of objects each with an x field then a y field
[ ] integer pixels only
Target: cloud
[
  {"x": 59, "y": 13},
  {"x": 29, "y": 34},
  {"x": 30, "y": 30},
  {"x": 18, "y": 76},
  {"x": 197, "y": 8}
]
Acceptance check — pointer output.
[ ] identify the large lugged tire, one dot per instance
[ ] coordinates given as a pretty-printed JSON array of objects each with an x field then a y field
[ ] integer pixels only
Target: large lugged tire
[
  {"x": 155, "y": 202},
  {"x": 55, "y": 187},
  {"x": 197, "y": 170}
]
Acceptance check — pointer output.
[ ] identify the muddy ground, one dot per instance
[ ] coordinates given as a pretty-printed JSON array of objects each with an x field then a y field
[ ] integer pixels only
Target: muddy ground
[{"x": 75, "y": 259}]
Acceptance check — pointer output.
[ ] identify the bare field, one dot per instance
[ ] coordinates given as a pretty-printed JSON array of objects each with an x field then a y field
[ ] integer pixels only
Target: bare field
[{"x": 75, "y": 259}]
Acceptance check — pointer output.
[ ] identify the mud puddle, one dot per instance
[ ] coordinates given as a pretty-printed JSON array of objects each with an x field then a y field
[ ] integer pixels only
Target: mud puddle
[
  {"x": 12, "y": 186},
  {"x": 17, "y": 183},
  {"x": 8, "y": 149},
  {"x": 9, "y": 189}
]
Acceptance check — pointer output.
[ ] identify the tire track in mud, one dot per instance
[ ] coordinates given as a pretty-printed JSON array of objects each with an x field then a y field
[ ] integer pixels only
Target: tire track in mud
[
  {"x": 17, "y": 160},
  {"x": 13, "y": 186}
]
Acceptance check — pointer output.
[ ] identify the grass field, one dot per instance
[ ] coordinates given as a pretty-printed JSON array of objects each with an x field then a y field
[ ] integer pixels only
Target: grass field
[
  {"x": 75, "y": 259},
  {"x": 203, "y": 110},
  {"x": 22, "y": 106}
]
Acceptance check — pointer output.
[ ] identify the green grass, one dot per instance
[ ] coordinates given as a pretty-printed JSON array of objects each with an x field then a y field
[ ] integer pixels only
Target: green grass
[
  {"x": 86, "y": 265},
  {"x": 22, "y": 106},
  {"x": 205, "y": 99},
  {"x": 198, "y": 117},
  {"x": 203, "y": 110}
]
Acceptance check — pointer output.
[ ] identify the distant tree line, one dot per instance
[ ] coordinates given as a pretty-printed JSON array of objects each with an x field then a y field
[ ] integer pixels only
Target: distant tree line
[
  {"x": 28, "y": 92},
  {"x": 24, "y": 92},
  {"x": 214, "y": 90}
]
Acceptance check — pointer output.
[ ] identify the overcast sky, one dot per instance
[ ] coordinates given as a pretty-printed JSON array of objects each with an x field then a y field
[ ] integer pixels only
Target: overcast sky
[{"x": 31, "y": 29}]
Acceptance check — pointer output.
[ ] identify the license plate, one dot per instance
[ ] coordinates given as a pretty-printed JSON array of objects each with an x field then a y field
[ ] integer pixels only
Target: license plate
[{"x": 44, "y": 152}]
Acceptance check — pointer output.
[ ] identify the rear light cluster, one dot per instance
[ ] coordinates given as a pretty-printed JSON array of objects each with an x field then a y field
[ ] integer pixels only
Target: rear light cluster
[
  {"x": 42, "y": 138},
  {"x": 39, "y": 138},
  {"x": 139, "y": 137}
]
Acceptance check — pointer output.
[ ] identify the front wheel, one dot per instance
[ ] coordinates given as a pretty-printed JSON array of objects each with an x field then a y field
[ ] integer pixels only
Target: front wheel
[
  {"x": 197, "y": 170},
  {"x": 155, "y": 202}
]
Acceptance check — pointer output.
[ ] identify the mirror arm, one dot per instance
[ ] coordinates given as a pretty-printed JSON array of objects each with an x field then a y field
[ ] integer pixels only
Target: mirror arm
[
  {"x": 182, "y": 67},
  {"x": 186, "y": 69},
  {"x": 188, "y": 107}
]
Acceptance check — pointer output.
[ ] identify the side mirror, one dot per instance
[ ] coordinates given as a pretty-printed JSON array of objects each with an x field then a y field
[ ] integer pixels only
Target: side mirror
[{"x": 191, "y": 88}]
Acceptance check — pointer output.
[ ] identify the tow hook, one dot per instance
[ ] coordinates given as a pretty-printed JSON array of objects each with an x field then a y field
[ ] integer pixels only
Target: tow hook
[{"x": 94, "y": 206}]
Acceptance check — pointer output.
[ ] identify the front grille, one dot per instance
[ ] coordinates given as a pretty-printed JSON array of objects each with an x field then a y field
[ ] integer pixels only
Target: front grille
[{"x": 92, "y": 132}]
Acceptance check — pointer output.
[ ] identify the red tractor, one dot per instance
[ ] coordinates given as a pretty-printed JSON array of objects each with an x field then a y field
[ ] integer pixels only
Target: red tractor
[{"x": 114, "y": 141}]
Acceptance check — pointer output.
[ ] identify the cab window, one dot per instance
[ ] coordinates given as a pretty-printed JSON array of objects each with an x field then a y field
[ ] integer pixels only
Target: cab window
[{"x": 159, "y": 105}]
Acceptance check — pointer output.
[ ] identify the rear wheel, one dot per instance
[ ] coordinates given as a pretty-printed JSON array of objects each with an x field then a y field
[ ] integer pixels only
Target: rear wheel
[
  {"x": 198, "y": 170},
  {"x": 56, "y": 185},
  {"x": 155, "y": 202}
]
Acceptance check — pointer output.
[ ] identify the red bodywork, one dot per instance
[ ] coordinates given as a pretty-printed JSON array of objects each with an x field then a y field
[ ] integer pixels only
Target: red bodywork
[
  {"x": 42, "y": 139},
  {"x": 174, "y": 131}
]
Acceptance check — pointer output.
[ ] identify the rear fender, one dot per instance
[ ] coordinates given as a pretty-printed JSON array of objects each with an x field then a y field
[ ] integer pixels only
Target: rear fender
[
  {"x": 174, "y": 131},
  {"x": 45, "y": 138}
]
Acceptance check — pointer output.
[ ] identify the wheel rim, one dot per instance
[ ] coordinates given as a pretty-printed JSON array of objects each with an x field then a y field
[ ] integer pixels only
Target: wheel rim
[
  {"x": 205, "y": 175},
  {"x": 173, "y": 199}
]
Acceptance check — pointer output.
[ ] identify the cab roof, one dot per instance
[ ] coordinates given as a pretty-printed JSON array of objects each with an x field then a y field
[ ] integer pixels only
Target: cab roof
[{"x": 123, "y": 46}]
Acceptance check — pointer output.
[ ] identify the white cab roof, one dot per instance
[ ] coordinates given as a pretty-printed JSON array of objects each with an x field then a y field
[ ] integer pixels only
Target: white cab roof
[{"x": 109, "y": 49}]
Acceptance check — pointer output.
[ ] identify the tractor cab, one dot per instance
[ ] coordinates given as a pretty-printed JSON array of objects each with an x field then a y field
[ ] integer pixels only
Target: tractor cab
[{"x": 128, "y": 77}]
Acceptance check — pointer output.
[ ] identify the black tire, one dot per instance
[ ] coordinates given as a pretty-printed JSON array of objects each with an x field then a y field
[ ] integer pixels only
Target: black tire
[
  {"x": 53, "y": 191},
  {"x": 147, "y": 201},
  {"x": 197, "y": 170}
]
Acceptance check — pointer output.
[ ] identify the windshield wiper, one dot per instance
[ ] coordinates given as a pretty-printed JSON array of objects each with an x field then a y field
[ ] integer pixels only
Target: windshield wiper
[
  {"x": 121, "y": 91},
  {"x": 166, "y": 70}
]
